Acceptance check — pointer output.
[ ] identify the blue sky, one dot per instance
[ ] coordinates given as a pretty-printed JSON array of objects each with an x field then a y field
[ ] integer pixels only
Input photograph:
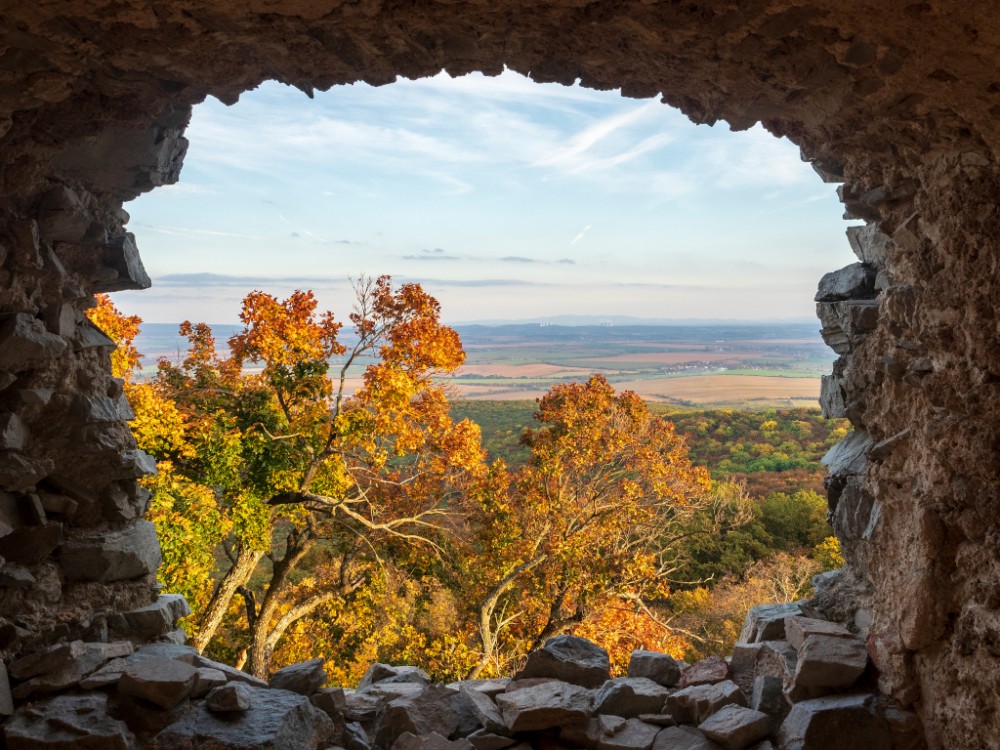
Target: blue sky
[{"x": 504, "y": 198}]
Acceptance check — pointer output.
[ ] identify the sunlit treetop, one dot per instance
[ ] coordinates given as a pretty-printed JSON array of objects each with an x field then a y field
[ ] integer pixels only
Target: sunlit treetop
[{"x": 285, "y": 333}]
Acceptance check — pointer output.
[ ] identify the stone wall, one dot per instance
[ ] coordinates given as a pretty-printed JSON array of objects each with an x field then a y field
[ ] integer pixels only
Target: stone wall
[
  {"x": 899, "y": 102},
  {"x": 76, "y": 551}
]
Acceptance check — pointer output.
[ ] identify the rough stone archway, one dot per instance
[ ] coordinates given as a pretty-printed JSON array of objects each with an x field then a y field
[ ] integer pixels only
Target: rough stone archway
[{"x": 899, "y": 101}]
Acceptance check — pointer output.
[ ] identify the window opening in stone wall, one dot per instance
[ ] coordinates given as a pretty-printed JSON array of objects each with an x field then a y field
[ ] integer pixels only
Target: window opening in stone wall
[{"x": 564, "y": 232}]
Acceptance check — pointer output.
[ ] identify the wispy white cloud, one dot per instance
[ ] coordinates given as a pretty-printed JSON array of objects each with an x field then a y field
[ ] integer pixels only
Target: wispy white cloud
[
  {"x": 755, "y": 160},
  {"x": 185, "y": 189},
  {"x": 299, "y": 231},
  {"x": 572, "y": 157},
  {"x": 273, "y": 144},
  {"x": 220, "y": 279},
  {"x": 508, "y": 87},
  {"x": 644, "y": 146},
  {"x": 197, "y": 232},
  {"x": 319, "y": 135},
  {"x": 580, "y": 235},
  {"x": 431, "y": 130},
  {"x": 431, "y": 257},
  {"x": 448, "y": 131}
]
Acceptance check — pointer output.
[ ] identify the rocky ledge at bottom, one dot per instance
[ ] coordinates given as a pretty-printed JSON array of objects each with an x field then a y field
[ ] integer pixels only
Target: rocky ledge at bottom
[{"x": 793, "y": 683}]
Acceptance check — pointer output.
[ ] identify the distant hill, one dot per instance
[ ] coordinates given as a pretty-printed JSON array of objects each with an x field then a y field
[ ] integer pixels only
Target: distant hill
[
  {"x": 161, "y": 339},
  {"x": 630, "y": 320},
  {"x": 706, "y": 332}
]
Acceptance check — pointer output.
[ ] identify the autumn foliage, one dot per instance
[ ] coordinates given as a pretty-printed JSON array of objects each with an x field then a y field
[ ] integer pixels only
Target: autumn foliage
[
  {"x": 587, "y": 526},
  {"x": 315, "y": 496}
]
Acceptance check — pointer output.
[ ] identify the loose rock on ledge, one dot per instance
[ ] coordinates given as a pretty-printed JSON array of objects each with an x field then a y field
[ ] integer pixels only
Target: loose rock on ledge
[
  {"x": 570, "y": 659},
  {"x": 168, "y": 697}
]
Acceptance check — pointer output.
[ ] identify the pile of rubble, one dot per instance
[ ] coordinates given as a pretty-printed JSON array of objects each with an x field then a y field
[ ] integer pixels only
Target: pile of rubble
[{"x": 793, "y": 683}]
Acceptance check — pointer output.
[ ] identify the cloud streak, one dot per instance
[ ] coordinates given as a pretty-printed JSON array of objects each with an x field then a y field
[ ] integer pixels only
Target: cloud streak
[
  {"x": 179, "y": 232},
  {"x": 584, "y": 152},
  {"x": 219, "y": 279},
  {"x": 580, "y": 235},
  {"x": 202, "y": 280}
]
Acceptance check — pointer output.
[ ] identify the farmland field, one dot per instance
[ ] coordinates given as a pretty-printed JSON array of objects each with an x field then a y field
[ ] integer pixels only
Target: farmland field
[
  {"x": 741, "y": 366},
  {"x": 755, "y": 365},
  {"x": 723, "y": 389}
]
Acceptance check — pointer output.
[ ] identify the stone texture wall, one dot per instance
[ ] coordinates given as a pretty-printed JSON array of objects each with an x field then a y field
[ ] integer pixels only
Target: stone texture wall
[
  {"x": 897, "y": 101},
  {"x": 76, "y": 551}
]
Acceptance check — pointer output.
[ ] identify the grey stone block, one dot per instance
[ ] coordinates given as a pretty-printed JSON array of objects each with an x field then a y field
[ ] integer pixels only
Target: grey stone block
[
  {"x": 660, "y": 668},
  {"x": 797, "y": 629},
  {"x": 304, "y": 678},
  {"x": 870, "y": 244},
  {"x": 124, "y": 260},
  {"x": 552, "y": 704},
  {"x": 736, "y": 727},
  {"x": 570, "y": 659},
  {"x": 230, "y": 698},
  {"x": 830, "y": 662},
  {"x": 24, "y": 340},
  {"x": 848, "y": 456},
  {"x": 77, "y": 721},
  {"x": 835, "y": 723},
  {"x": 856, "y": 281},
  {"x": 630, "y": 696},
  {"x": 766, "y": 622},
  {"x": 112, "y": 556},
  {"x": 697, "y": 703},
  {"x": 683, "y": 738},
  {"x": 279, "y": 719},
  {"x": 163, "y": 681},
  {"x": 769, "y": 697}
]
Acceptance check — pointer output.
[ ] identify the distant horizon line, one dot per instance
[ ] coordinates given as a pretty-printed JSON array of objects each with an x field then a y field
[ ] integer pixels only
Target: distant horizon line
[{"x": 579, "y": 321}]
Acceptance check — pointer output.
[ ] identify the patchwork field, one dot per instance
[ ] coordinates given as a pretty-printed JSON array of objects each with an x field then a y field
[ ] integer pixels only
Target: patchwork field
[
  {"x": 693, "y": 390},
  {"x": 727, "y": 365},
  {"x": 719, "y": 389},
  {"x": 748, "y": 366}
]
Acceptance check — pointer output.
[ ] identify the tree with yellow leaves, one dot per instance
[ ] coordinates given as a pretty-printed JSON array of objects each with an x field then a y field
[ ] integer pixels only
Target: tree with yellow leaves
[
  {"x": 312, "y": 483},
  {"x": 595, "y": 516}
]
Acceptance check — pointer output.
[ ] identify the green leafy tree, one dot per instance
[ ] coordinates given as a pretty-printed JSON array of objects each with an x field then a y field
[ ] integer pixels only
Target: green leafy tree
[{"x": 794, "y": 521}]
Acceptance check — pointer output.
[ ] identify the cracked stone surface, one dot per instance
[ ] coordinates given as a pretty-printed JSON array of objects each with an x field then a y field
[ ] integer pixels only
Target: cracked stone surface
[{"x": 897, "y": 102}]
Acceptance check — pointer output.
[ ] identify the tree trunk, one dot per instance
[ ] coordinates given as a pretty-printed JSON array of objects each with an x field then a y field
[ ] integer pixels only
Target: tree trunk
[
  {"x": 488, "y": 634},
  {"x": 486, "y": 637},
  {"x": 259, "y": 652},
  {"x": 295, "y": 614},
  {"x": 238, "y": 575},
  {"x": 557, "y": 624}
]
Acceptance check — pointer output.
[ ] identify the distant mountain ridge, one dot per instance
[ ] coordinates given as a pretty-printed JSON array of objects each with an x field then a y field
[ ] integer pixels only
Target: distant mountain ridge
[
  {"x": 631, "y": 320},
  {"x": 707, "y": 333}
]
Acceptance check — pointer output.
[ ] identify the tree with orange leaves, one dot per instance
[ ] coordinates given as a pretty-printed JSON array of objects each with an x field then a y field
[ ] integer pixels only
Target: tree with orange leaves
[
  {"x": 120, "y": 328},
  {"x": 595, "y": 515},
  {"x": 317, "y": 482}
]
